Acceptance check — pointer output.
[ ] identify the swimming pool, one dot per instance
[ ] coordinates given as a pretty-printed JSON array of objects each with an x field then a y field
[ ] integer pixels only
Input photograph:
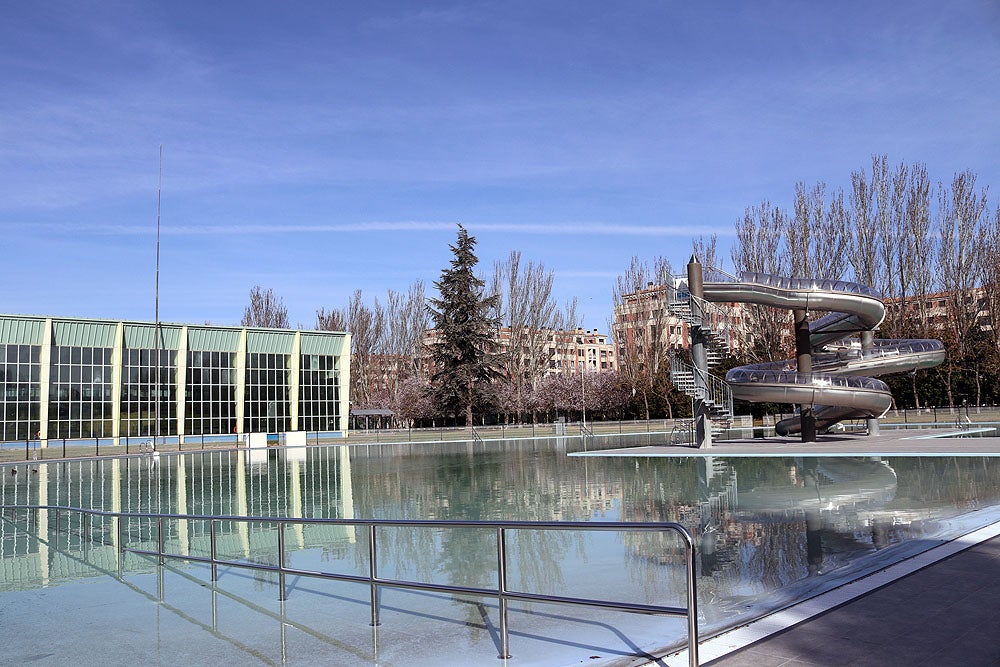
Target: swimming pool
[{"x": 770, "y": 531}]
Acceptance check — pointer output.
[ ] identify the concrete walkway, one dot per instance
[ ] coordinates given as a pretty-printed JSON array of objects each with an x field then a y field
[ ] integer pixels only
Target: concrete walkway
[
  {"x": 947, "y": 613},
  {"x": 896, "y": 442}
]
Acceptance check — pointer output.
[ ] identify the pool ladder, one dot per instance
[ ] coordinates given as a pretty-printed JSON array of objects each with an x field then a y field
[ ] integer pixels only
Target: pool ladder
[{"x": 502, "y": 592}]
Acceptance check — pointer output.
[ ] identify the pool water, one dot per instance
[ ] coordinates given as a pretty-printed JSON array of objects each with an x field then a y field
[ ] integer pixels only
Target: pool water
[{"x": 769, "y": 532}]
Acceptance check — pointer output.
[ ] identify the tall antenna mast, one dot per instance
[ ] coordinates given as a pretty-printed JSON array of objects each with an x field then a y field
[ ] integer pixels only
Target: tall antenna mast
[{"x": 156, "y": 330}]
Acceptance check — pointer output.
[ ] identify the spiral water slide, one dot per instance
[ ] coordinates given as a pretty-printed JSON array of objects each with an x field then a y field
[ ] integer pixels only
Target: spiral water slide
[{"x": 842, "y": 383}]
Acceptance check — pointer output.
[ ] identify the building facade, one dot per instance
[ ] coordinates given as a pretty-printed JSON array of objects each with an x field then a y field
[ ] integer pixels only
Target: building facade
[
  {"x": 77, "y": 378},
  {"x": 647, "y": 329},
  {"x": 581, "y": 350},
  {"x": 555, "y": 351}
]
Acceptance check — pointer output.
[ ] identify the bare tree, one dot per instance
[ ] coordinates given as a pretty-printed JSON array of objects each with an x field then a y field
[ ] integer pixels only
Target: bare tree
[
  {"x": 885, "y": 232},
  {"x": 642, "y": 323},
  {"x": 367, "y": 327},
  {"x": 265, "y": 310},
  {"x": 921, "y": 246},
  {"x": 758, "y": 249},
  {"x": 406, "y": 322},
  {"x": 960, "y": 219},
  {"x": 817, "y": 236},
  {"x": 988, "y": 251},
  {"x": 706, "y": 250},
  {"x": 331, "y": 320},
  {"x": 860, "y": 253},
  {"x": 386, "y": 342},
  {"x": 530, "y": 315}
]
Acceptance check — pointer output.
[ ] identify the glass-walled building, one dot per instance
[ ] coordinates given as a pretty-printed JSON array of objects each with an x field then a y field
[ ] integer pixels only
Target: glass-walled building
[{"x": 75, "y": 378}]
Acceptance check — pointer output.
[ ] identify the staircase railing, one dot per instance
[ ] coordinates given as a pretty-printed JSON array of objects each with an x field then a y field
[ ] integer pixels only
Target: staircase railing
[{"x": 714, "y": 391}]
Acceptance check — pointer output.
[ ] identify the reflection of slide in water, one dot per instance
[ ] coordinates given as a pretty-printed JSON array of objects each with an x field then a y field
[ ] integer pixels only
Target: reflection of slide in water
[
  {"x": 826, "y": 484},
  {"x": 840, "y": 384}
]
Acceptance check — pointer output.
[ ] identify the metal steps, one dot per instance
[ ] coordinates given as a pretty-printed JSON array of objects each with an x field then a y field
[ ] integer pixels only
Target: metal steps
[
  {"x": 717, "y": 329},
  {"x": 716, "y": 393}
]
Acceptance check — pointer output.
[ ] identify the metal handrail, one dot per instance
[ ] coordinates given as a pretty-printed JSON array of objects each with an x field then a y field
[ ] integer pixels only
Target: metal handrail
[{"x": 503, "y": 593}]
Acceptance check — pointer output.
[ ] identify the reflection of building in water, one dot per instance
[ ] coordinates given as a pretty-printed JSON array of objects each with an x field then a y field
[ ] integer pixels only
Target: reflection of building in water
[
  {"x": 711, "y": 519},
  {"x": 38, "y": 545}
]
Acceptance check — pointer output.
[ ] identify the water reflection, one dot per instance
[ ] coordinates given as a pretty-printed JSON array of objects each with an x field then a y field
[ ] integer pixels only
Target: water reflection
[{"x": 767, "y": 529}]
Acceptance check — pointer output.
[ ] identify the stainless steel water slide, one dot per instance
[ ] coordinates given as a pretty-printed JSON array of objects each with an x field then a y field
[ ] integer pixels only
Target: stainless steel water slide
[{"x": 834, "y": 386}]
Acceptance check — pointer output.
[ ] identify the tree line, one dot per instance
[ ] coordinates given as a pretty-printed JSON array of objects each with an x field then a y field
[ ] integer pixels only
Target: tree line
[{"x": 930, "y": 249}]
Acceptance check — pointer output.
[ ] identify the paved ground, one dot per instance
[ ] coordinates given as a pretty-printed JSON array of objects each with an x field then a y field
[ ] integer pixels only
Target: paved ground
[
  {"x": 900, "y": 442},
  {"x": 945, "y": 614}
]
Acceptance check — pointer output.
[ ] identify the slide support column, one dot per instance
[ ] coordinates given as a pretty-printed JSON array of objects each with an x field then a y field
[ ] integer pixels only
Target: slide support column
[
  {"x": 803, "y": 358},
  {"x": 867, "y": 345}
]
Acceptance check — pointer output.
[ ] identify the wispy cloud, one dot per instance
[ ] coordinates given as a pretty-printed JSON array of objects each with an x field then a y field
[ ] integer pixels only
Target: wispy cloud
[{"x": 542, "y": 228}]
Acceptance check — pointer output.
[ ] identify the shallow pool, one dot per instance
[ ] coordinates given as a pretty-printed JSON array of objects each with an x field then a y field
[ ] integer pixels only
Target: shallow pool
[{"x": 769, "y": 532}]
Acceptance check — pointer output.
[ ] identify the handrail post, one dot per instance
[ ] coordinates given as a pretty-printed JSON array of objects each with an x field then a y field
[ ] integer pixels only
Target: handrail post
[
  {"x": 159, "y": 538},
  {"x": 502, "y": 591},
  {"x": 282, "y": 595},
  {"x": 85, "y": 531},
  {"x": 373, "y": 573},
  {"x": 692, "y": 600},
  {"x": 213, "y": 549},
  {"x": 119, "y": 519}
]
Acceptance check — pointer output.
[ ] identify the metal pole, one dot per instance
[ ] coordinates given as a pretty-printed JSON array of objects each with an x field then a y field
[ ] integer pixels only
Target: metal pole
[
  {"x": 502, "y": 592},
  {"x": 373, "y": 573},
  {"x": 213, "y": 549},
  {"x": 159, "y": 537},
  {"x": 121, "y": 545},
  {"x": 692, "y": 601},
  {"x": 282, "y": 595},
  {"x": 215, "y": 609}
]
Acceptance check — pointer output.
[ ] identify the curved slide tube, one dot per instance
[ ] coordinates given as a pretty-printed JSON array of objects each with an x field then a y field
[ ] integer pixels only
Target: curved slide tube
[{"x": 840, "y": 386}]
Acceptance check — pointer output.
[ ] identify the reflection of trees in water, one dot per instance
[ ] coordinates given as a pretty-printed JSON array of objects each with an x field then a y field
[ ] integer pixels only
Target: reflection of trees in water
[
  {"x": 512, "y": 485},
  {"x": 773, "y": 554},
  {"x": 961, "y": 480}
]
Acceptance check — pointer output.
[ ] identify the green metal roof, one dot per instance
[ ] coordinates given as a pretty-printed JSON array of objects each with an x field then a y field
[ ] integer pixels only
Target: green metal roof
[
  {"x": 76, "y": 333},
  {"x": 143, "y": 337},
  {"x": 270, "y": 342},
  {"x": 323, "y": 343},
  {"x": 213, "y": 340},
  {"x": 21, "y": 331}
]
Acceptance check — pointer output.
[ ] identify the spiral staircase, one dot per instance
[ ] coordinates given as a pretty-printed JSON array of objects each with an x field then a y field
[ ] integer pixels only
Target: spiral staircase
[{"x": 717, "y": 328}]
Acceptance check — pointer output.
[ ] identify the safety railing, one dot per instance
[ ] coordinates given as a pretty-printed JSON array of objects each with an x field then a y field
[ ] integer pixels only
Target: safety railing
[
  {"x": 502, "y": 592},
  {"x": 711, "y": 389}
]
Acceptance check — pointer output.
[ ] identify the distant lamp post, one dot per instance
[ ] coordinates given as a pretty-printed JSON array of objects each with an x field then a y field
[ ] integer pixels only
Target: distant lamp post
[{"x": 590, "y": 357}]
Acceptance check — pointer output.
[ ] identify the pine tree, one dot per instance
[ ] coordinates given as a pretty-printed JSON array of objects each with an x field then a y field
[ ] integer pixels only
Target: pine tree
[{"x": 463, "y": 359}]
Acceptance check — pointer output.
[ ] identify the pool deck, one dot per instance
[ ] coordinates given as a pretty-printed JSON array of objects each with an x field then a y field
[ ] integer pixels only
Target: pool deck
[
  {"x": 937, "y": 608},
  {"x": 944, "y": 613},
  {"x": 902, "y": 442}
]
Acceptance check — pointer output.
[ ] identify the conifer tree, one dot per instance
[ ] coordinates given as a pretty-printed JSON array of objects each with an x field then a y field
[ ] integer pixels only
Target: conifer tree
[{"x": 464, "y": 360}]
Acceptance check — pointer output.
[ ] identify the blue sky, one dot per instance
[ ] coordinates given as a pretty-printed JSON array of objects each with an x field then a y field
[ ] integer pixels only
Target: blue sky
[{"x": 317, "y": 148}]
